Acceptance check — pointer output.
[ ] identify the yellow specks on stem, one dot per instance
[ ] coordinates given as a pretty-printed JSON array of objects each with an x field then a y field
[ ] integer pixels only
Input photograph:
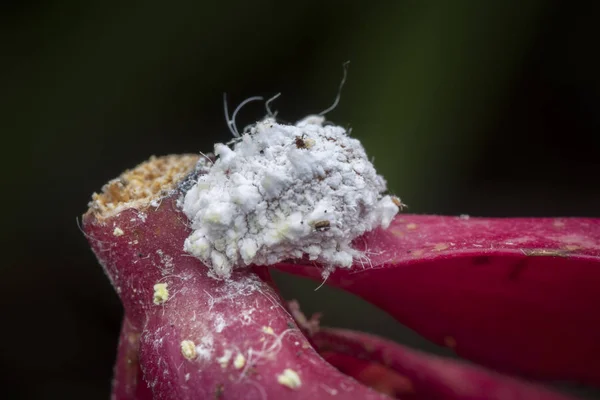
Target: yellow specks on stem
[
  {"x": 440, "y": 247},
  {"x": 412, "y": 226},
  {"x": 289, "y": 378},
  {"x": 224, "y": 360},
  {"x": 161, "y": 293},
  {"x": 239, "y": 361},
  {"x": 397, "y": 232},
  {"x": 418, "y": 253},
  {"x": 188, "y": 349},
  {"x": 268, "y": 330}
]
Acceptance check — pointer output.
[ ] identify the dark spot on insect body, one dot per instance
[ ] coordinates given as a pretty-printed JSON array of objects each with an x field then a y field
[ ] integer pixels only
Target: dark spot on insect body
[
  {"x": 304, "y": 143},
  {"x": 300, "y": 143},
  {"x": 322, "y": 225}
]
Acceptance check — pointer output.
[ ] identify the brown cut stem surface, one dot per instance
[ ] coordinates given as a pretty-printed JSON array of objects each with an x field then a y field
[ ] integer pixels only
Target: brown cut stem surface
[{"x": 141, "y": 185}]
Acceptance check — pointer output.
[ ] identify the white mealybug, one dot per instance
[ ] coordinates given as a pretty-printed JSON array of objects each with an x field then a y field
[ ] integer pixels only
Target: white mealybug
[{"x": 285, "y": 191}]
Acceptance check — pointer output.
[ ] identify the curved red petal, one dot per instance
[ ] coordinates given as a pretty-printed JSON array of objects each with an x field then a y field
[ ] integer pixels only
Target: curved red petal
[
  {"x": 517, "y": 295},
  {"x": 420, "y": 376},
  {"x": 372, "y": 374}
]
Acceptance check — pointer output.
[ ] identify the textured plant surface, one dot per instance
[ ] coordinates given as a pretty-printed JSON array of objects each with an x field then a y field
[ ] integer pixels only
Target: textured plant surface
[{"x": 518, "y": 296}]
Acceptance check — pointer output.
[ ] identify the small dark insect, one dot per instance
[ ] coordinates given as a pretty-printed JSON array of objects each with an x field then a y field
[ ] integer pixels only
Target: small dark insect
[
  {"x": 300, "y": 142},
  {"x": 322, "y": 225},
  {"x": 303, "y": 143},
  {"x": 398, "y": 203}
]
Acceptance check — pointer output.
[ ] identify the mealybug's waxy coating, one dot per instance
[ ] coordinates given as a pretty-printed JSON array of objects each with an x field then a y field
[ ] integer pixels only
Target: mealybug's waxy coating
[{"x": 283, "y": 192}]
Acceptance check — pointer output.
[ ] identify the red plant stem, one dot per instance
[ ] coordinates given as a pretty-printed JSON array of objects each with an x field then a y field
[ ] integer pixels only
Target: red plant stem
[
  {"x": 242, "y": 317},
  {"x": 517, "y": 295},
  {"x": 128, "y": 382}
]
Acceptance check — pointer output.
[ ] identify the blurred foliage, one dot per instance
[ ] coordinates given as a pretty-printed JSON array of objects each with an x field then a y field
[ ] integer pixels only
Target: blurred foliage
[{"x": 485, "y": 108}]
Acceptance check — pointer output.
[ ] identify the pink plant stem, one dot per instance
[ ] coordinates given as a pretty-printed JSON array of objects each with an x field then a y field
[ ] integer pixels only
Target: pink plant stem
[
  {"x": 241, "y": 339},
  {"x": 517, "y": 295}
]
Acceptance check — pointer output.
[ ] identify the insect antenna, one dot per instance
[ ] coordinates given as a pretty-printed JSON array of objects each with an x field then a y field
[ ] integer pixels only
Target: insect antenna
[
  {"x": 339, "y": 93},
  {"x": 231, "y": 121},
  {"x": 268, "y": 106}
]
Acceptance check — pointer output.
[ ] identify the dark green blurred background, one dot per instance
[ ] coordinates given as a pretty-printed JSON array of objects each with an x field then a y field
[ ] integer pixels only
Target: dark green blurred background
[{"x": 486, "y": 108}]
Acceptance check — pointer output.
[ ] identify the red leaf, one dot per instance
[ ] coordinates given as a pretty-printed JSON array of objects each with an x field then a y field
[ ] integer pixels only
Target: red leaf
[{"x": 518, "y": 295}]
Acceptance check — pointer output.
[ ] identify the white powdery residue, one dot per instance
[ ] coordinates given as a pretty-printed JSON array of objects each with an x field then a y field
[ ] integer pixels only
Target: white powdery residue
[
  {"x": 246, "y": 316},
  {"x": 224, "y": 359},
  {"x": 205, "y": 348},
  {"x": 219, "y": 323},
  {"x": 167, "y": 262},
  {"x": 285, "y": 191},
  {"x": 236, "y": 291},
  {"x": 118, "y": 231},
  {"x": 142, "y": 216}
]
